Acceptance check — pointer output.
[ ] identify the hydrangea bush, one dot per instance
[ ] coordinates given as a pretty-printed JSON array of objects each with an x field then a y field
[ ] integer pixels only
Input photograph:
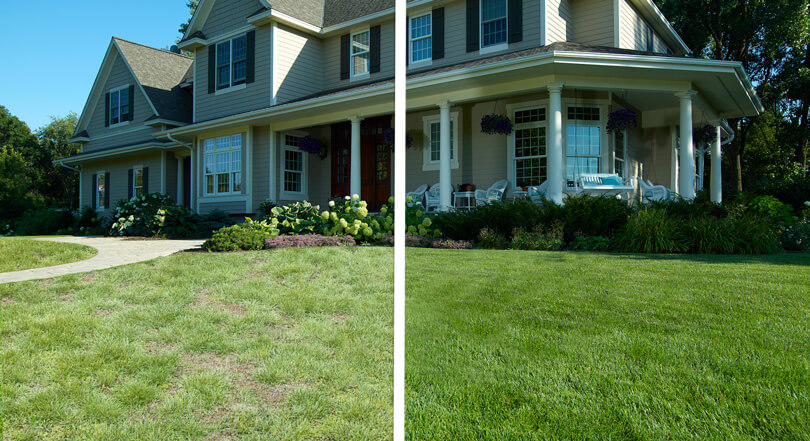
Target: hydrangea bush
[
  {"x": 142, "y": 215},
  {"x": 350, "y": 217}
]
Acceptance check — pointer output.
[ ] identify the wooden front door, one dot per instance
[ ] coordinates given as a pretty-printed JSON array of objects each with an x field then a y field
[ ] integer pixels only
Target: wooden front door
[
  {"x": 375, "y": 165},
  {"x": 375, "y": 172}
]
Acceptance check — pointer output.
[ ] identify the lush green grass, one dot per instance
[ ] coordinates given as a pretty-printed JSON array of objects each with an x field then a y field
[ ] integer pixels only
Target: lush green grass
[
  {"x": 511, "y": 345},
  {"x": 19, "y": 254},
  {"x": 281, "y": 345}
]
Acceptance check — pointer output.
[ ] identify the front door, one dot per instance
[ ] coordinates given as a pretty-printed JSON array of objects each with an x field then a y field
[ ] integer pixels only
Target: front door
[
  {"x": 375, "y": 173},
  {"x": 375, "y": 165}
]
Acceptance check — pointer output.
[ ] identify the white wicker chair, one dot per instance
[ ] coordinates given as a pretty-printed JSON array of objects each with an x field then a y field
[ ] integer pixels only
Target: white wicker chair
[
  {"x": 654, "y": 193},
  {"x": 432, "y": 198},
  {"x": 492, "y": 194},
  {"x": 418, "y": 195},
  {"x": 536, "y": 191}
]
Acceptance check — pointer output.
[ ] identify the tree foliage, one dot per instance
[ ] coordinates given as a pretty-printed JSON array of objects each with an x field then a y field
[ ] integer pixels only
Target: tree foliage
[
  {"x": 15, "y": 185},
  {"x": 192, "y": 7}
]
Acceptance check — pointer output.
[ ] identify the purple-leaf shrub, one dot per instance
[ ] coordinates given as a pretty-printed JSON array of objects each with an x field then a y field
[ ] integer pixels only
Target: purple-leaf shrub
[{"x": 308, "y": 241}]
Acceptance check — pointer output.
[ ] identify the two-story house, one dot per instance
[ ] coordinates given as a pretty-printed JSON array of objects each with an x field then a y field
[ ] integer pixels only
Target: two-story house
[{"x": 223, "y": 129}]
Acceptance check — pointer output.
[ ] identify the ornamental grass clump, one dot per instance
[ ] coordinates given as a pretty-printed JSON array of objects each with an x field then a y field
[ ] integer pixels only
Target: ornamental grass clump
[{"x": 495, "y": 124}]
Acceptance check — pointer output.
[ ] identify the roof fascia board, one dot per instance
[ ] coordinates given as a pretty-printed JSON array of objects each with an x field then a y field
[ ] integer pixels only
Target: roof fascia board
[
  {"x": 203, "y": 9},
  {"x": 115, "y": 152},
  {"x": 101, "y": 78},
  {"x": 137, "y": 81},
  {"x": 192, "y": 44}
]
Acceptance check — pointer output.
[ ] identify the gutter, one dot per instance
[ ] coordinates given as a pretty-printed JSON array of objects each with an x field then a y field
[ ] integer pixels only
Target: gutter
[{"x": 62, "y": 163}]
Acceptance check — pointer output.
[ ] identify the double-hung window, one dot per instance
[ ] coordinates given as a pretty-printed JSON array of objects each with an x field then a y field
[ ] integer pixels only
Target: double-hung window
[
  {"x": 231, "y": 62},
  {"x": 137, "y": 181},
  {"x": 493, "y": 23},
  {"x": 119, "y": 105},
  {"x": 432, "y": 150},
  {"x": 361, "y": 53},
  {"x": 101, "y": 190},
  {"x": 530, "y": 147},
  {"x": 584, "y": 143},
  {"x": 619, "y": 152},
  {"x": 421, "y": 38},
  {"x": 293, "y": 165},
  {"x": 223, "y": 165}
]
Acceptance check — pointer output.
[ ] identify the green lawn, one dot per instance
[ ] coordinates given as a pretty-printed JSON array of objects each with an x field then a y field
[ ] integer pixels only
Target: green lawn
[
  {"x": 19, "y": 254},
  {"x": 506, "y": 345},
  {"x": 281, "y": 345}
]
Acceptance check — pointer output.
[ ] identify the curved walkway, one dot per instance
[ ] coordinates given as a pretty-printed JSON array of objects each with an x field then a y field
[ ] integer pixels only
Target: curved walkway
[{"x": 112, "y": 252}]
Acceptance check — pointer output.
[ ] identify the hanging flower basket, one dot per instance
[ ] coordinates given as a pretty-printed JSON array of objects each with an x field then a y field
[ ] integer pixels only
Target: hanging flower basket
[
  {"x": 496, "y": 124},
  {"x": 621, "y": 119},
  {"x": 704, "y": 135},
  {"x": 312, "y": 145},
  {"x": 389, "y": 139}
]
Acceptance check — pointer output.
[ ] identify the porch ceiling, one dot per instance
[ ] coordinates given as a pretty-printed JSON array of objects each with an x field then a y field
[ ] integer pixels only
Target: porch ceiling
[{"x": 648, "y": 82}]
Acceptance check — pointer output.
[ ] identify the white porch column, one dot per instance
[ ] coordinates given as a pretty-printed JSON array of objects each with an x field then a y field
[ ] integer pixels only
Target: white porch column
[
  {"x": 687, "y": 151},
  {"x": 716, "y": 189},
  {"x": 555, "y": 145},
  {"x": 180, "y": 181},
  {"x": 354, "y": 181},
  {"x": 445, "y": 176}
]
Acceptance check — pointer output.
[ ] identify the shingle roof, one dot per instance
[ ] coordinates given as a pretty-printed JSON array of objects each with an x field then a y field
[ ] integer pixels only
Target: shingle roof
[
  {"x": 323, "y": 13},
  {"x": 160, "y": 72}
]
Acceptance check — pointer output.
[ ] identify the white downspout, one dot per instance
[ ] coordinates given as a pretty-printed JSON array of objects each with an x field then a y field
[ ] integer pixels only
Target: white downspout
[{"x": 76, "y": 169}]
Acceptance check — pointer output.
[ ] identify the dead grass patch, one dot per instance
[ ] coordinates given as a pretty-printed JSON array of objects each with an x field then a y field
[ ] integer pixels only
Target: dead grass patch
[
  {"x": 89, "y": 277},
  {"x": 205, "y": 301}
]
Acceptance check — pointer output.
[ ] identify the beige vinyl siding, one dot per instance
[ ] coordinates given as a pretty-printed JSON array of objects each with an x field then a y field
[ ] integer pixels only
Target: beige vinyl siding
[
  {"x": 227, "y": 16},
  {"x": 236, "y": 208},
  {"x": 254, "y": 96},
  {"x": 119, "y": 76},
  {"x": 299, "y": 64},
  {"x": 261, "y": 166},
  {"x": 171, "y": 176},
  {"x": 118, "y": 169},
  {"x": 331, "y": 59},
  {"x": 455, "y": 47},
  {"x": 652, "y": 155},
  {"x": 319, "y": 178},
  {"x": 593, "y": 22},
  {"x": 633, "y": 30},
  {"x": 558, "y": 21}
]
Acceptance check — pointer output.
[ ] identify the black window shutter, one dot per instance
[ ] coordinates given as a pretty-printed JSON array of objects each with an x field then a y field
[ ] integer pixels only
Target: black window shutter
[
  {"x": 408, "y": 40},
  {"x": 473, "y": 16},
  {"x": 438, "y": 33},
  {"x": 344, "y": 56},
  {"x": 250, "y": 63},
  {"x": 107, "y": 190},
  {"x": 146, "y": 180},
  {"x": 374, "y": 62},
  {"x": 130, "y": 184},
  {"x": 131, "y": 115},
  {"x": 107, "y": 109},
  {"x": 94, "y": 188},
  {"x": 212, "y": 68},
  {"x": 515, "y": 21}
]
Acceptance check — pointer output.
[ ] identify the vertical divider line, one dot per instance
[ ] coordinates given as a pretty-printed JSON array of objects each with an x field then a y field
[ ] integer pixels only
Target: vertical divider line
[{"x": 400, "y": 109}]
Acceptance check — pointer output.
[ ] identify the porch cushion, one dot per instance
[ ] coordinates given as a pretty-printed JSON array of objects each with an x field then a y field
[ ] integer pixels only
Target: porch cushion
[{"x": 611, "y": 180}]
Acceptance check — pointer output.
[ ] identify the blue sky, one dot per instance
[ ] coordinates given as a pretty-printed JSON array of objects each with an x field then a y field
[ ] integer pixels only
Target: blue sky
[{"x": 56, "y": 48}]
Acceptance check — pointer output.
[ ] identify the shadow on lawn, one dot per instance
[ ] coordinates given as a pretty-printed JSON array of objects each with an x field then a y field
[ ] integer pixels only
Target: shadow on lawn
[{"x": 796, "y": 259}]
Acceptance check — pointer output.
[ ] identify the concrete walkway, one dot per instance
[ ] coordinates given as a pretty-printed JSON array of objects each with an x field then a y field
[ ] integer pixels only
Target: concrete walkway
[{"x": 112, "y": 252}]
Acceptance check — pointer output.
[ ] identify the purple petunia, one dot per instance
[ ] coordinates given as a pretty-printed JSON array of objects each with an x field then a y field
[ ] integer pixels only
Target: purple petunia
[
  {"x": 496, "y": 125},
  {"x": 310, "y": 145},
  {"x": 388, "y": 138},
  {"x": 705, "y": 134},
  {"x": 621, "y": 119}
]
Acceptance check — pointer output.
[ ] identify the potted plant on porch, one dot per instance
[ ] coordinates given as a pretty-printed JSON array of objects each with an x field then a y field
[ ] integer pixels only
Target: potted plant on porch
[
  {"x": 495, "y": 124},
  {"x": 620, "y": 120},
  {"x": 312, "y": 145}
]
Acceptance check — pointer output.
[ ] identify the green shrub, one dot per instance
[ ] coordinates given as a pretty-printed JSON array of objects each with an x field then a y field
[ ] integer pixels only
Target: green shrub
[
  {"x": 753, "y": 235},
  {"x": 213, "y": 221},
  {"x": 549, "y": 240},
  {"x": 708, "y": 235},
  {"x": 175, "y": 222},
  {"x": 792, "y": 190},
  {"x": 43, "y": 221},
  {"x": 771, "y": 208},
  {"x": 590, "y": 243},
  {"x": 651, "y": 230},
  {"x": 588, "y": 215},
  {"x": 247, "y": 236},
  {"x": 500, "y": 217},
  {"x": 297, "y": 218},
  {"x": 350, "y": 217},
  {"x": 140, "y": 216},
  {"x": 491, "y": 240},
  {"x": 796, "y": 237}
]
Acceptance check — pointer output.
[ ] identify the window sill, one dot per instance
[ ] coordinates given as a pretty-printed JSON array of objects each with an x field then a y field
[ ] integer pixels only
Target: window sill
[
  {"x": 420, "y": 64},
  {"x": 491, "y": 49},
  {"x": 230, "y": 89},
  {"x": 434, "y": 166},
  {"x": 121, "y": 124},
  {"x": 360, "y": 77}
]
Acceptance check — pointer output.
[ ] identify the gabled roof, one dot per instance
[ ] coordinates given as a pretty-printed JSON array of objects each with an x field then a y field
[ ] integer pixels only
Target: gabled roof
[{"x": 157, "y": 73}]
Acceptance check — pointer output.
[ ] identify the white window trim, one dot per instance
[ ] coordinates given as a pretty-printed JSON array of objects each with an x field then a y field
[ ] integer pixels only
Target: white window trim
[
  {"x": 134, "y": 171},
  {"x": 427, "y": 163},
  {"x": 427, "y": 61},
  {"x": 99, "y": 199},
  {"x": 367, "y": 74},
  {"x": 293, "y": 195},
  {"x": 613, "y": 154},
  {"x": 511, "y": 139},
  {"x": 241, "y": 149},
  {"x": 496, "y": 47},
  {"x": 231, "y": 86},
  {"x": 119, "y": 123},
  {"x": 604, "y": 146}
]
